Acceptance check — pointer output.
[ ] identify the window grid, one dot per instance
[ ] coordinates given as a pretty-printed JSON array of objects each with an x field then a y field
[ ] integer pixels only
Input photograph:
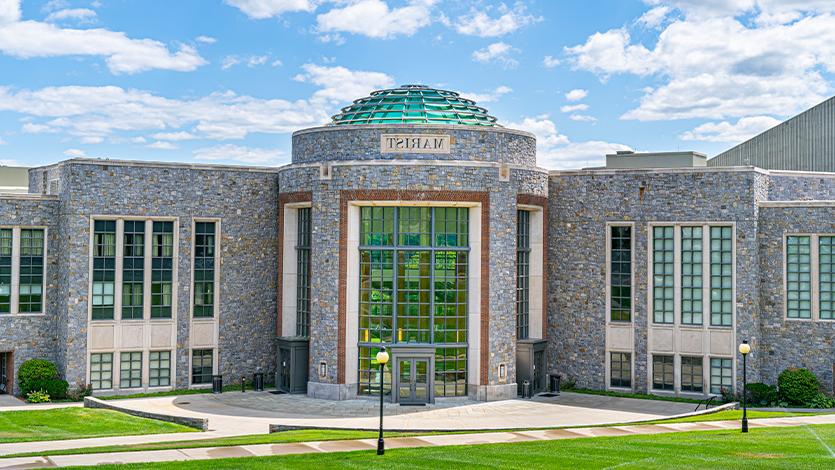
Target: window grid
[
  {"x": 159, "y": 369},
  {"x": 133, "y": 269},
  {"x": 523, "y": 269},
  {"x": 620, "y": 297},
  {"x": 202, "y": 361},
  {"x": 692, "y": 375},
  {"x": 798, "y": 277},
  {"x": 721, "y": 276},
  {"x": 663, "y": 372},
  {"x": 204, "y": 269},
  {"x": 450, "y": 372},
  {"x": 721, "y": 375},
  {"x": 826, "y": 268},
  {"x": 369, "y": 372},
  {"x": 412, "y": 293},
  {"x": 30, "y": 294},
  {"x": 692, "y": 276},
  {"x": 303, "y": 272},
  {"x": 101, "y": 371},
  {"x": 6, "y": 235},
  {"x": 130, "y": 368},
  {"x": 663, "y": 304},
  {"x": 162, "y": 261},
  {"x": 620, "y": 367},
  {"x": 104, "y": 269}
]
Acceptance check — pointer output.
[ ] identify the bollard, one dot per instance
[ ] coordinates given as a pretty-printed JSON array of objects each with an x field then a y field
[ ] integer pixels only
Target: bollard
[
  {"x": 217, "y": 384},
  {"x": 258, "y": 382},
  {"x": 526, "y": 389},
  {"x": 243, "y": 384}
]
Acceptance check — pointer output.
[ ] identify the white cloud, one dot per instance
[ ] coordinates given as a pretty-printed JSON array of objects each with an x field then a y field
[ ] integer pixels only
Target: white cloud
[
  {"x": 499, "y": 52},
  {"x": 550, "y": 62},
  {"x": 341, "y": 85},
  {"x": 241, "y": 154},
  {"x": 576, "y": 94},
  {"x": 26, "y": 39},
  {"x": 262, "y": 9},
  {"x": 570, "y": 108},
  {"x": 479, "y": 23},
  {"x": 80, "y": 15},
  {"x": 557, "y": 151},
  {"x": 256, "y": 60},
  {"x": 654, "y": 17},
  {"x": 175, "y": 136},
  {"x": 75, "y": 153},
  {"x": 489, "y": 96},
  {"x": 740, "y": 131},
  {"x": 582, "y": 118},
  {"x": 90, "y": 112},
  {"x": 720, "y": 67},
  {"x": 250, "y": 61},
  {"x": 375, "y": 19},
  {"x": 162, "y": 145},
  {"x": 229, "y": 62},
  {"x": 205, "y": 39}
]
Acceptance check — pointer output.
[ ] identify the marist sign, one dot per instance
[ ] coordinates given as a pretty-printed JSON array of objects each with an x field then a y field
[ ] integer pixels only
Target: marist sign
[{"x": 414, "y": 143}]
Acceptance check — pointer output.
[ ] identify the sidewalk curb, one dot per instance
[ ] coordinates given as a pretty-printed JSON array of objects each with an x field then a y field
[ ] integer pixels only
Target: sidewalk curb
[{"x": 198, "y": 423}]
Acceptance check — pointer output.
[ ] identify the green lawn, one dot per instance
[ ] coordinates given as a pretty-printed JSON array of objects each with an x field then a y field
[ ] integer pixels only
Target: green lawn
[
  {"x": 785, "y": 448},
  {"x": 76, "y": 423},
  {"x": 331, "y": 435}
]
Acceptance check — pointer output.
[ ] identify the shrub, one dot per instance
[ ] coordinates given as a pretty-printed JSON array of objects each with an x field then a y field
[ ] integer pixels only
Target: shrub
[
  {"x": 821, "y": 401},
  {"x": 760, "y": 394},
  {"x": 798, "y": 386},
  {"x": 55, "y": 388},
  {"x": 35, "y": 370},
  {"x": 728, "y": 395},
  {"x": 80, "y": 391},
  {"x": 37, "y": 396}
]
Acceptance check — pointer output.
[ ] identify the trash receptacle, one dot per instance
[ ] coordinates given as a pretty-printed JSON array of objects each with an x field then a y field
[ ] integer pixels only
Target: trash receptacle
[
  {"x": 217, "y": 384},
  {"x": 258, "y": 382},
  {"x": 555, "y": 383}
]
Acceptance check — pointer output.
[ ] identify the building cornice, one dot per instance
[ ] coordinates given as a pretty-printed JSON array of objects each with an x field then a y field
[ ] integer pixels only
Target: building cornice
[
  {"x": 451, "y": 163},
  {"x": 156, "y": 164},
  {"x": 402, "y": 127}
]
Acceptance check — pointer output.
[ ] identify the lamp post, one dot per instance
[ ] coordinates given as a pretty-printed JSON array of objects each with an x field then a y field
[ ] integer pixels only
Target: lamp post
[
  {"x": 744, "y": 349},
  {"x": 382, "y": 359}
]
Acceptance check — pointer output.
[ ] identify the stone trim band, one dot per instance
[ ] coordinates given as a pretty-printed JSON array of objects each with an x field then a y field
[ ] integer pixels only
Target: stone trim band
[{"x": 284, "y": 199}]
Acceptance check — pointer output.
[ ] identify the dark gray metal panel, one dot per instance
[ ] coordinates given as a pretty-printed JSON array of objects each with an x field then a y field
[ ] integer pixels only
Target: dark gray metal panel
[{"x": 805, "y": 142}]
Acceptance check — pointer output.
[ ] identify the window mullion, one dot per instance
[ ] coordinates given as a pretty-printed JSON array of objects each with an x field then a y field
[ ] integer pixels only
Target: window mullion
[
  {"x": 15, "y": 285},
  {"x": 431, "y": 276},
  {"x": 118, "y": 289},
  {"x": 395, "y": 269},
  {"x": 814, "y": 261}
]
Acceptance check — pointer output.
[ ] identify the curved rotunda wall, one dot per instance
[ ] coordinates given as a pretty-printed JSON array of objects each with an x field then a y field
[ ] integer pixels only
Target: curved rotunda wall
[{"x": 367, "y": 142}]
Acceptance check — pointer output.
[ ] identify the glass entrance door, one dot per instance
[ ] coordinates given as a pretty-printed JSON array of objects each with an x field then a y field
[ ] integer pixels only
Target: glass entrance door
[
  {"x": 3, "y": 373},
  {"x": 284, "y": 371},
  {"x": 538, "y": 371},
  {"x": 413, "y": 381}
]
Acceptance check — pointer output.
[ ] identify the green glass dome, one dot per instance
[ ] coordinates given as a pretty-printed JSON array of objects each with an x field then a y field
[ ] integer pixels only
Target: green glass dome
[{"x": 414, "y": 104}]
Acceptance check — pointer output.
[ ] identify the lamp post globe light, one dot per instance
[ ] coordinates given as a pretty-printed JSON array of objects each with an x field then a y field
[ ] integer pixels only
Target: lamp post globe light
[
  {"x": 382, "y": 359},
  {"x": 744, "y": 349}
]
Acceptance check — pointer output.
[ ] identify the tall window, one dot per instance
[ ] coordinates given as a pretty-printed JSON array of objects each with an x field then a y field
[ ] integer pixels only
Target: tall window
[
  {"x": 523, "y": 269},
  {"x": 303, "y": 233},
  {"x": 204, "y": 269},
  {"x": 692, "y": 376},
  {"x": 721, "y": 276},
  {"x": 691, "y": 276},
  {"x": 798, "y": 277},
  {"x": 721, "y": 373},
  {"x": 201, "y": 366},
  {"x": 413, "y": 288},
  {"x": 101, "y": 371},
  {"x": 826, "y": 267},
  {"x": 5, "y": 270},
  {"x": 663, "y": 308},
  {"x": 162, "y": 262},
  {"x": 31, "y": 270},
  {"x": 159, "y": 369},
  {"x": 620, "y": 370},
  {"x": 621, "y": 274},
  {"x": 104, "y": 269},
  {"x": 662, "y": 372},
  {"x": 133, "y": 269},
  {"x": 130, "y": 367}
]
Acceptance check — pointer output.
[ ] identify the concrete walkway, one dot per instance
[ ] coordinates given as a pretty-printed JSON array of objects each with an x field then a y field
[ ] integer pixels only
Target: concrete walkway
[{"x": 264, "y": 450}]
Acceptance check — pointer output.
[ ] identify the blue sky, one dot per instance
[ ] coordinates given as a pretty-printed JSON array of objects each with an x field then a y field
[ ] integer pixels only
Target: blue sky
[{"x": 227, "y": 81}]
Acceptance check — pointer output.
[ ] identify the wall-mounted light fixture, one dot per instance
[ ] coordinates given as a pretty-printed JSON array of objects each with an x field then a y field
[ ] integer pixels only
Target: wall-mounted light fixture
[
  {"x": 502, "y": 371},
  {"x": 323, "y": 369}
]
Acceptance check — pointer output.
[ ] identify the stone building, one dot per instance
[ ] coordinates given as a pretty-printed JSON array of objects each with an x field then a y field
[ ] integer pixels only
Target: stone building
[{"x": 415, "y": 221}]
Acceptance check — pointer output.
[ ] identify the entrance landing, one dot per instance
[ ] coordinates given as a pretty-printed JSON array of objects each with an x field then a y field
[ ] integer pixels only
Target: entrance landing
[{"x": 257, "y": 411}]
